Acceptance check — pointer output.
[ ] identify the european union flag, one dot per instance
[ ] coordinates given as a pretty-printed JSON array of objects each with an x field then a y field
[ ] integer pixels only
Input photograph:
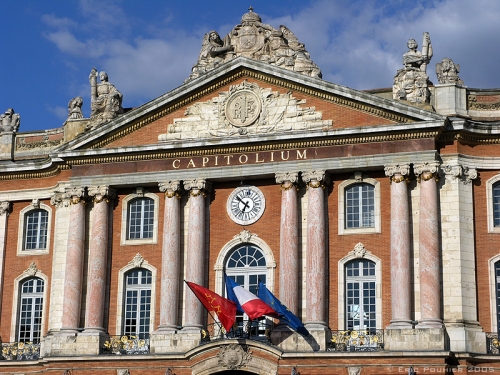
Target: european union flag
[{"x": 285, "y": 315}]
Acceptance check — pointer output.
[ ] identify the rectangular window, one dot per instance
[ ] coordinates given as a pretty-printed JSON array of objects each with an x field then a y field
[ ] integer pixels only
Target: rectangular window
[
  {"x": 496, "y": 205},
  {"x": 141, "y": 219},
  {"x": 36, "y": 230},
  {"x": 360, "y": 206}
]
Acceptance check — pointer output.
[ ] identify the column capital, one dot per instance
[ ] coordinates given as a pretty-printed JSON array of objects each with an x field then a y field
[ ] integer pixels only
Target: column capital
[
  {"x": 75, "y": 195},
  {"x": 197, "y": 187},
  {"x": 170, "y": 188},
  {"x": 60, "y": 200},
  {"x": 100, "y": 193},
  {"x": 315, "y": 179},
  {"x": 397, "y": 172},
  {"x": 287, "y": 179},
  {"x": 427, "y": 170},
  {"x": 459, "y": 172},
  {"x": 5, "y": 207}
]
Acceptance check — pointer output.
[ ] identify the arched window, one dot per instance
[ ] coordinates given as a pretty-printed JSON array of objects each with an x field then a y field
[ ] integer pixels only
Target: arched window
[
  {"x": 140, "y": 219},
  {"x": 247, "y": 266},
  {"x": 137, "y": 310},
  {"x": 497, "y": 288},
  {"x": 496, "y": 204},
  {"x": 35, "y": 230},
  {"x": 360, "y": 292},
  {"x": 360, "y": 206},
  {"x": 30, "y": 310}
]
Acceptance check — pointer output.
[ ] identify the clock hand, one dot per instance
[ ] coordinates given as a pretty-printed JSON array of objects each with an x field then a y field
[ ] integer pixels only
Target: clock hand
[{"x": 244, "y": 203}]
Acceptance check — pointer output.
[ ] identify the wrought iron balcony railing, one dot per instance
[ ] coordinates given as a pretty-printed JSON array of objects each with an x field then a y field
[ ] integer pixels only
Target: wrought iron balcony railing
[
  {"x": 20, "y": 351},
  {"x": 356, "y": 341},
  {"x": 492, "y": 343},
  {"x": 126, "y": 345},
  {"x": 254, "y": 330}
]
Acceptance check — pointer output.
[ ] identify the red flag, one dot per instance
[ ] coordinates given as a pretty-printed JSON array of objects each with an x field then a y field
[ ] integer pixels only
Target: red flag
[{"x": 224, "y": 308}]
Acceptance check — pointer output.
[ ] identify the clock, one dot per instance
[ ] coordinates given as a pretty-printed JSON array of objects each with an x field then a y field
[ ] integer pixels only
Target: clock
[{"x": 246, "y": 205}]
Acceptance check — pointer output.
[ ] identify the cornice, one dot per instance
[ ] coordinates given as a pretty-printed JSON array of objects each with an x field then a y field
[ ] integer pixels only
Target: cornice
[{"x": 53, "y": 171}]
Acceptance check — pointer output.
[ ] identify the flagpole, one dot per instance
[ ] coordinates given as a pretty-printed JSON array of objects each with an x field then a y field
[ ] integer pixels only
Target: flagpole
[{"x": 215, "y": 321}]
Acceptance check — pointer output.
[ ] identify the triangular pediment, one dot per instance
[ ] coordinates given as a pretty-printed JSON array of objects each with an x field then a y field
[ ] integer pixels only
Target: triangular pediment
[{"x": 246, "y": 100}]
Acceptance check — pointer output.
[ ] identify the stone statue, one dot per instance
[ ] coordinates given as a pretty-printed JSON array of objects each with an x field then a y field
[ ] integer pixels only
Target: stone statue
[
  {"x": 106, "y": 100},
  {"x": 447, "y": 72},
  {"x": 411, "y": 82},
  {"x": 10, "y": 121},
  {"x": 75, "y": 108},
  {"x": 256, "y": 40},
  {"x": 213, "y": 53}
]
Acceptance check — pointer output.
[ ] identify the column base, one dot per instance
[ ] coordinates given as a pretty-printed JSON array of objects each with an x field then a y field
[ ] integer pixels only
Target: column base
[
  {"x": 175, "y": 341},
  {"x": 400, "y": 324},
  {"x": 415, "y": 339},
  {"x": 430, "y": 323},
  {"x": 466, "y": 337},
  {"x": 70, "y": 344},
  {"x": 291, "y": 341}
]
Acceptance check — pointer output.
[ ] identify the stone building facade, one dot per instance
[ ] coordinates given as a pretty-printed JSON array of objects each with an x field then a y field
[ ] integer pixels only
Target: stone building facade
[{"x": 372, "y": 216}]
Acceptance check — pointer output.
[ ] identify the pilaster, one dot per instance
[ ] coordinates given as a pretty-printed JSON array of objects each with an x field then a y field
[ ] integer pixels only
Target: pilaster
[{"x": 5, "y": 208}]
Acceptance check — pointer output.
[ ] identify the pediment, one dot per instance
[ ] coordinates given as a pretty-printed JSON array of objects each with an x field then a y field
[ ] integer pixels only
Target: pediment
[{"x": 247, "y": 100}]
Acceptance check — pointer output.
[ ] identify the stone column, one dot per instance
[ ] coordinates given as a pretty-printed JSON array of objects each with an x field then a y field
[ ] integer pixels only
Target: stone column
[
  {"x": 316, "y": 250},
  {"x": 170, "y": 261},
  {"x": 98, "y": 254},
  {"x": 196, "y": 250},
  {"x": 4, "y": 213},
  {"x": 289, "y": 241},
  {"x": 400, "y": 247},
  {"x": 429, "y": 257},
  {"x": 73, "y": 275}
]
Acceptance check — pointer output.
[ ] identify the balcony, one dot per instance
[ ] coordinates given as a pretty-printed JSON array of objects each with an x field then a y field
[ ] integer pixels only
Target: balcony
[
  {"x": 126, "y": 345},
  {"x": 20, "y": 351},
  {"x": 248, "y": 330},
  {"x": 356, "y": 341}
]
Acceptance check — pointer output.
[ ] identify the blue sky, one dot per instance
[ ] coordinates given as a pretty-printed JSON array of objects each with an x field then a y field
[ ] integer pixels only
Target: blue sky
[{"x": 148, "y": 47}]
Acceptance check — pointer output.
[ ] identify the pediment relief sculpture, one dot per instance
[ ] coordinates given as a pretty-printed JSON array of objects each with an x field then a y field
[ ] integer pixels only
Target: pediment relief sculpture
[
  {"x": 254, "y": 39},
  {"x": 10, "y": 121},
  {"x": 105, "y": 99},
  {"x": 447, "y": 72},
  {"x": 245, "y": 109}
]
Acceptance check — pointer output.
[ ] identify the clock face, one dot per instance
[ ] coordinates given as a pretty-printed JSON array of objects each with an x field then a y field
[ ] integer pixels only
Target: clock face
[{"x": 246, "y": 205}]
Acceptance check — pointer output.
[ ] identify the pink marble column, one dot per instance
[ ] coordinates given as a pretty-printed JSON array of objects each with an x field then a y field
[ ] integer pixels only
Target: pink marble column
[
  {"x": 289, "y": 241},
  {"x": 73, "y": 279},
  {"x": 98, "y": 254},
  {"x": 170, "y": 261},
  {"x": 400, "y": 247},
  {"x": 316, "y": 249},
  {"x": 196, "y": 251},
  {"x": 4, "y": 213},
  {"x": 429, "y": 259}
]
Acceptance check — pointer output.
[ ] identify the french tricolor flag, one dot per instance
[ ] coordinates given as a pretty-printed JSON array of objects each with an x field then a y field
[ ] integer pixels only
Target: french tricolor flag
[{"x": 246, "y": 301}]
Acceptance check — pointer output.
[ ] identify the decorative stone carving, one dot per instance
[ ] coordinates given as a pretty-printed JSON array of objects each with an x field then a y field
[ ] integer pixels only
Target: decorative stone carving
[
  {"x": 295, "y": 371},
  {"x": 283, "y": 177},
  {"x": 254, "y": 39},
  {"x": 106, "y": 100},
  {"x": 4, "y": 208},
  {"x": 354, "y": 370},
  {"x": 169, "y": 371},
  {"x": 75, "y": 108},
  {"x": 100, "y": 193},
  {"x": 469, "y": 175},
  {"x": 447, "y": 72},
  {"x": 359, "y": 250},
  {"x": 397, "y": 172},
  {"x": 31, "y": 270},
  {"x": 170, "y": 188},
  {"x": 45, "y": 143},
  {"x": 427, "y": 170},
  {"x": 315, "y": 179},
  {"x": 74, "y": 194},
  {"x": 139, "y": 191},
  {"x": 245, "y": 236},
  {"x": 197, "y": 187},
  {"x": 123, "y": 371},
  {"x": 245, "y": 109},
  {"x": 10, "y": 121},
  {"x": 451, "y": 172},
  {"x": 358, "y": 176},
  {"x": 234, "y": 356},
  {"x": 137, "y": 261},
  {"x": 35, "y": 203},
  {"x": 482, "y": 106},
  {"x": 411, "y": 82}
]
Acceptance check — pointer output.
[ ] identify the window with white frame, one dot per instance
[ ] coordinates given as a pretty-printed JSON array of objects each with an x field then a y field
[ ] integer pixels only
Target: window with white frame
[
  {"x": 360, "y": 206},
  {"x": 30, "y": 310},
  {"x": 140, "y": 218},
  {"x": 247, "y": 266},
  {"x": 137, "y": 311},
  {"x": 35, "y": 230},
  {"x": 497, "y": 294},
  {"x": 496, "y": 204},
  {"x": 360, "y": 292}
]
